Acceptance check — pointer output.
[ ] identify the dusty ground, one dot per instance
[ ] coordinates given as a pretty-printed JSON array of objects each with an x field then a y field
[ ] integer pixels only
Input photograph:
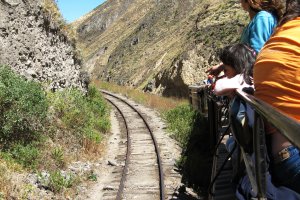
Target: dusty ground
[{"x": 106, "y": 166}]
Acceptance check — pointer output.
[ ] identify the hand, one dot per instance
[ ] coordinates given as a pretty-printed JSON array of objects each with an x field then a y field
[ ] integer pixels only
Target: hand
[{"x": 215, "y": 70}]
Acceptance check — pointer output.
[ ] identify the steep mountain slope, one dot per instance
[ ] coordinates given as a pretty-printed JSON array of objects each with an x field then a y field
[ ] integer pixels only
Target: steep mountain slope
[
  {"x": 157, "y": 46},
  {"x": 33, "y": 44}
]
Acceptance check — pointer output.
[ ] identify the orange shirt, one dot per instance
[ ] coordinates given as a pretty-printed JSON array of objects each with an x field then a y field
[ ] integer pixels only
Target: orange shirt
[{"x": 277, "y": 70}]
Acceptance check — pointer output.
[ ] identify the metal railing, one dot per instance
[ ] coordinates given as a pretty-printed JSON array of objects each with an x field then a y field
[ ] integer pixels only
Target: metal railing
[
  {"x": 289, "y": 127},
  {"x": 208, "y": 104}
]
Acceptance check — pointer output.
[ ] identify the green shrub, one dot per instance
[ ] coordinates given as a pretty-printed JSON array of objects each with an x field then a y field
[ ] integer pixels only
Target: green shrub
[
  {"x": 23, "y": 108},
  {"x": 87, "y": 115},
  {"x": 58, "y": 155},
  {"x": 100, "y": 110},
  {"x": 27, "y": 156},
  {"x": 181, "y": 121},
  {"x": 57, "y": 181},
  {"x": 92, "y": 176},
  {"x": 92, "y": 134}
]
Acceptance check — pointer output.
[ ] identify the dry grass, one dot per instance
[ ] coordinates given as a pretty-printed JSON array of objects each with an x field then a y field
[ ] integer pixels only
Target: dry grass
[
  {"x": 92, "y": 150},
  {"x": 72, "y": 149},
  {"x": 53, "y": 11},
  {"x": 156, "y": 102},
  {"x": 5, "y": 178}
]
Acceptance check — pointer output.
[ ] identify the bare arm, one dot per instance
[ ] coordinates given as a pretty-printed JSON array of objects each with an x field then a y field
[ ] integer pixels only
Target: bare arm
[{"x": 215, "y": 70}]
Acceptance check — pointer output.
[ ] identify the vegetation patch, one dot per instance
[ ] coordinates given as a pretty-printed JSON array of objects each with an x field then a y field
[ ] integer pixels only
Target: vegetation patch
[
  {"x": 46, "y": 131},
  {"x": 181, "y": 121},
  {"x": 26, "y": 155},
  {"x": 52, "y": 9},
  {"x": 57, "y": 181},
  {"x": 190, "y": 129},
  {"x": 86, "y": 116},
  {"x": 57, "y": 155},
  {"x": 23, "y": 109}
]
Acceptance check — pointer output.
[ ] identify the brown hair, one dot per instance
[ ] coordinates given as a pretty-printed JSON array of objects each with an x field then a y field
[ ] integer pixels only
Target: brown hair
[
  {"x": 292, "y": 11},
  {"x": 274, "y": 6}
]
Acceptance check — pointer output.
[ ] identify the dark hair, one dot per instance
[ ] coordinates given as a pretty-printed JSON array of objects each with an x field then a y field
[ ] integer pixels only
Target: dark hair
[
  {"x": 273, "y": 6},
  {"x": 241, "y": 57},
  {"x": 292, "y": 11}
]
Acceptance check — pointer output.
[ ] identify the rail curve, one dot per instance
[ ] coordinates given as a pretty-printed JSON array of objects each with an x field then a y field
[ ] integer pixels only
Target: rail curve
[{"x": 142, "y": 176}]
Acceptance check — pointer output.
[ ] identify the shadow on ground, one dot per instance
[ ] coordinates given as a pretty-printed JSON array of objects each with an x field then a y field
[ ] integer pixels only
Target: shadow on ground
[{"x": 196, "y": 163}]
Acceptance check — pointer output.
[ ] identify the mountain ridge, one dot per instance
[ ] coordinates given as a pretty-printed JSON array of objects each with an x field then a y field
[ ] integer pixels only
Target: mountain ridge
[{"x": 157, "y": 46}]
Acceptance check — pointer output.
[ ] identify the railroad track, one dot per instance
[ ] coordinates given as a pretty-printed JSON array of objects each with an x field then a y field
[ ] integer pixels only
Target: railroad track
[{"x": 141, "y": 175}]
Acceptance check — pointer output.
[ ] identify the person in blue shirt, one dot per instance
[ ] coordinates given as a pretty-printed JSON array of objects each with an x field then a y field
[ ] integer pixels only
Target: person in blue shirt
[{"x": 264, "y": 15}]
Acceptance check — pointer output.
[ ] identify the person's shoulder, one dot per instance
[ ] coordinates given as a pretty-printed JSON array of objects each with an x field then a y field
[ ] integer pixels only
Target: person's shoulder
[
  {"x": 262, "y": 18},
  {"x": 265, "y": 14},
  {"x": 292, "y": 23},
  {"x": 240, "y": 79},
  {"x": 290, "y": 30}
]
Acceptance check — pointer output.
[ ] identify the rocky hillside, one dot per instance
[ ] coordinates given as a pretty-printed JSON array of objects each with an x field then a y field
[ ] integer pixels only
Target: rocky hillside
[
  {"x": 34, "y": 45},
  {"x": 157, "y": 46}
]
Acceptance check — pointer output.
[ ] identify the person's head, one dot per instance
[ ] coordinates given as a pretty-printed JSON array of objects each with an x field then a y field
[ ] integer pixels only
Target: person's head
[
  {"x": 238, "y": 59},
  {"x": 292, "y": 11},
  {"x": 274, "y": 6}
]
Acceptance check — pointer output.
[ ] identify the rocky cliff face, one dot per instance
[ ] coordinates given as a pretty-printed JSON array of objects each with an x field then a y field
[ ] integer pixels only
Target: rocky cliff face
[
  {"x": 33, "y": 45},
  {"x": 157, "y": 46}
]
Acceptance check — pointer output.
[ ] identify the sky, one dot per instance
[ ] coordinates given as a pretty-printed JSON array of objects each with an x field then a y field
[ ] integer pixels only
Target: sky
[{"x": 73, "y": 9}]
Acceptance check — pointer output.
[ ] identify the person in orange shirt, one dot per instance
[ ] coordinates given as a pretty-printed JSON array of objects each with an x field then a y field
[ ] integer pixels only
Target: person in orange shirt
[{"x": 277, "y": 81}]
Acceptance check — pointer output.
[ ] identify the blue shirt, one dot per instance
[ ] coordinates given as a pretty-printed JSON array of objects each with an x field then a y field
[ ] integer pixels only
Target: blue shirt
[{"x": 259, "y": 30}]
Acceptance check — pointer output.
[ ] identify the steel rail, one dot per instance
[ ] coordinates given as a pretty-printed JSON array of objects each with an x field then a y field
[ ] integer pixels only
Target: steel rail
[
  {"x": 125, "y": 170},
  {"x": 158, "y": 158}
]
